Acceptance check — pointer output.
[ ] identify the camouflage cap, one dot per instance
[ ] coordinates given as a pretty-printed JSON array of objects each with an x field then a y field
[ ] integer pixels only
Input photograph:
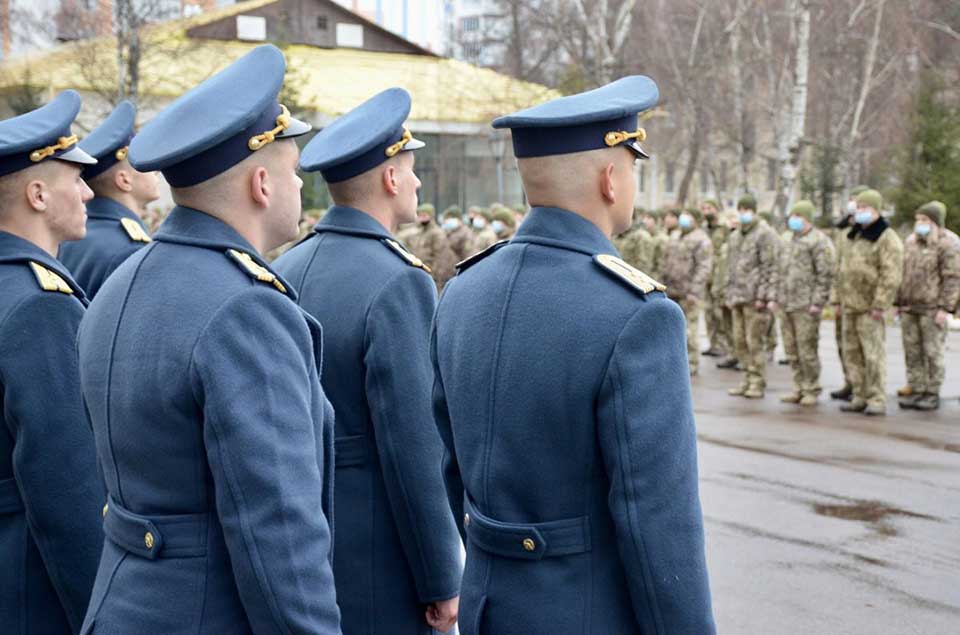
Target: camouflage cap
[
  {"x": 505, "y": 216},
  {"x": 427, "y": 208},
  {"x": 804, "y": 209},
  {"x": 870, "y": 198},
  {"x": 487, "y": 212},
  {"x": 713, "y": 203},
  {"x": 857, "y": 190},
  {"x": 747, "y": 201},
  {"x": 453, "y": 211},
  {"x": 936, "y": 210},
  {"x": 693, "y": 211}
]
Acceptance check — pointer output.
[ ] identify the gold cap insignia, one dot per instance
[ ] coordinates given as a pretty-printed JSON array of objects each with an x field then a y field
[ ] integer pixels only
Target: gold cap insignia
[
  {"x": 256, "y": 270},
  {"x": 135, "y": 231},
  {"x": 406, "y": 255},
  {"x": 50, "y": 281},
  {"x": 62, "y": 144},
  {"x": 636, "y": 278},
  {"x": 399, "y": 145},
  {"x": 283, "y": 122},
  {"x": 615, "y": 137},
  {"x": 122, "y": 153}
]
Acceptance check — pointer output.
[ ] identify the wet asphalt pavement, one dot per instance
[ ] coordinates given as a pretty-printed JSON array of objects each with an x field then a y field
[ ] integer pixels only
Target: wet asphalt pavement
[{"x": 818, "y": 521}]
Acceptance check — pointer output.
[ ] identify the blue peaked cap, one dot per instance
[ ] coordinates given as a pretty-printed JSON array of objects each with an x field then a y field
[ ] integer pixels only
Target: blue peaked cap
[
  {"x": 362, "y": 139},
  {"x": 600, "y": 118},
  {"x": 42, "y": 134},
  {"x": 219, "y": 123},
  {"x": 109, "y": 142}
]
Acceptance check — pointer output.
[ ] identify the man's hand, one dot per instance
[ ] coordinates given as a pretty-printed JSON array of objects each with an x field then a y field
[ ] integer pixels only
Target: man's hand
[
  {"x": 760, "y": 305},
  {"x": 877, "y": 314},
  {"x": 442, "y": 615},
  {"x": 940, "y": 318},
  {"x": 815, "y": 309}
]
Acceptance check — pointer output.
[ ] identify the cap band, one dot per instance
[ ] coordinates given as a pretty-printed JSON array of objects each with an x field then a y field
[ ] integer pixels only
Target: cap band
[
  {"x": 60, "y": 144},
  {"x": 369, "y": 159},
  {"x": 546, "y": 141},
  {"x": 109, "y": 159}
]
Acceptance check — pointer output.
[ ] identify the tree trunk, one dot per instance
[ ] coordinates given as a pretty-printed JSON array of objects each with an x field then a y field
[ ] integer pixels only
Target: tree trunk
[{"x": 798, "y": 111}]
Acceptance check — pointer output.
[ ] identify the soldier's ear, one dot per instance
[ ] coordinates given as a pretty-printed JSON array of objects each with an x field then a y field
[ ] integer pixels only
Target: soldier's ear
[
  {"x": 260, "y": 186},
  {"x": 607, "y": 187},
  {"x": 37, "y": 195},
  {"x": 122, "y": 180},
  {"x": 390, "y": 181}
]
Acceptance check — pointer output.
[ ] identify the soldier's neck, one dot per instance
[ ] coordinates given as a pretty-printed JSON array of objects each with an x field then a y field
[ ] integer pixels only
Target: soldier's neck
[{"x": 31, "y": 230}]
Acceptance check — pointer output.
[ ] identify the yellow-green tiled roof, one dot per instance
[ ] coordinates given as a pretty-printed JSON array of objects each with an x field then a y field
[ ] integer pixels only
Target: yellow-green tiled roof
[{"x": 328, "y": 81}]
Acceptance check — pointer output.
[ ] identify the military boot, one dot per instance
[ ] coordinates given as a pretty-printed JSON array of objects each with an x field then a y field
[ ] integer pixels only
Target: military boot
[
  {"x": 738, "y": 391},
  {"x": 730, "y": 362},
  {"x": 855, "y": 405},
  {"x": 793, "y": 397},
  {"x": 875, "y": 410},
  {"x": 906, "y": 391},
  {"x": 753, "y": 392},
  {"x": 928, "y": 401},
  {"x": 809, "y": 400},
  {"x": 712, "y": 352},
  {"x": 844, "y": 394},
  {"x": 908, "y": 402}
]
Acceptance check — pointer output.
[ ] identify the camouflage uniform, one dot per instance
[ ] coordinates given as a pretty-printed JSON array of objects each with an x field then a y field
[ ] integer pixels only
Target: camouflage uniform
[
  {"x": 931, "y": 282},
  {"x": 753, "y": 276},
  {"x": 870, "y": 275},
  {"x": 807, "y": 276},
  {"x": 461, "y": 241},
  {"x": 722, "y": 314},
  {"x": 638, "y": 248},
  {"x": 685, "y": 273},
  {"x": 407, "y": 234},
  {"x": 841, "y": 245},
  {"x": 718, "y": 233},
  {"x": 431, "y": 245}
]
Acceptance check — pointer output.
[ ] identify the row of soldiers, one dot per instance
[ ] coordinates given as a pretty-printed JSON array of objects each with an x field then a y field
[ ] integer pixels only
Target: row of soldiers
[{"x": 737, "y": 271}]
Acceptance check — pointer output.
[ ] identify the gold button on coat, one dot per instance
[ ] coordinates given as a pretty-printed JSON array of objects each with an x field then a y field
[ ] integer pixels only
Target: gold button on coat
[
  {"x": 148, "y": 540},
  {"x": 529, "y": 544},
  {"x": 466, "y": 520},
  {"x": 104, "y": 511}
]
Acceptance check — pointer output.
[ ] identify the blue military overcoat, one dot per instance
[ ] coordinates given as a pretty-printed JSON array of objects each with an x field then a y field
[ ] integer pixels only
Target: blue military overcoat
[
  {"x": 397, "y": 547},
  {"x": 113, "y": 234},
  {"x": 201, "y": 377},
  {"x": 563, "y": 398},
  {"x": 50, "y": 493}
]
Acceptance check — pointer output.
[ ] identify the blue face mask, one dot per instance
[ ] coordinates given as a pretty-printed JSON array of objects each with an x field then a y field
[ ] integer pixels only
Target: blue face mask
[
  {"x": 746, "y": 217},
  {"x": 863, "y": 218},
  {"x": 922, "y": 229},
  {"x": 451, "y": 224},
  {"x": 685, "y": 221},
  {"x": 498, "y": 226},
  {"x": 795, "y": 223},
  {"x": 479, "y": 222}
]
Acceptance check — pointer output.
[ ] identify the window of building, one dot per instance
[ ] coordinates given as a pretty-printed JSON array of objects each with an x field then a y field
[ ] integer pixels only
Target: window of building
[
  {"x": 472, "y": 51},
  {"x": 251, "y": 27},
  {"x": 470, "y": 24},
  {"x": 771, "y": 175},
  {"x": 322, "y": 22},
  {"x": 350, "y": 35},
  {"x": 669, "y": 176}
]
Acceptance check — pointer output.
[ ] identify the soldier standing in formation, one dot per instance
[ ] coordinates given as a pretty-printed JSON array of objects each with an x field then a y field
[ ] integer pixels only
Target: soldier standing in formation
[
  {"x": 718, "y": 232},
  {"x": 459, "y": 235},
  {"x": 870, "y": 273},
  {"x": 504, "y": 223},
  {"x": 928, "y": 295},
  {"x": 804, "y": 292},
  {"x": 752, "y": 294},
  {"x": 845, "y": 392},
  {"x": 686, "y": 271},
  {"x": 114, "y": 228},
  {"x": 50, "y": 491},
  {"x": 485, "y": 236}
]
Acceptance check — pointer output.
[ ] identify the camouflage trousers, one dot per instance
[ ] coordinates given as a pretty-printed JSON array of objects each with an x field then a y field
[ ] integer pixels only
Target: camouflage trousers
[
  {"x": 801, "y": 340},
  {"x": 923, "y": 350},
  {"x": 864, "y": 350},
  {"x": 771, "y": 344},
  {"x": 838, "y": 332},
  {"x": 692, "y": 310},
  {"x": 719, "y": 326},
  {"x": 750, "y": 329},
  {"x": 712, "y": 318}
]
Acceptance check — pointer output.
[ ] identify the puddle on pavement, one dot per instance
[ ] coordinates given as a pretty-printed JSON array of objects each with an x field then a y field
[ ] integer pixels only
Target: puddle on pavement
[{"x": 864, "y": 511}]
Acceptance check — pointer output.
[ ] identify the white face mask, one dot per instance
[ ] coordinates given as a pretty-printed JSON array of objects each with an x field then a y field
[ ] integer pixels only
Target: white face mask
[
  {"x": 479, "y": 222},
  {"x": 451, "y": 224},
  {"x": 851, "y": 207},
  {"x": 498, "y": 227}
]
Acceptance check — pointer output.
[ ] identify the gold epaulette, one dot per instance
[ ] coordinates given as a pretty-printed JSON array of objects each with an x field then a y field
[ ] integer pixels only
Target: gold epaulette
[
  {"x": 629, "y": 274},
  {"x": 49, "y": 280},
  {"x": 135, "y": 231},
  {"x": 406, "y": 255},
  {"x": 256, "y": 270}
]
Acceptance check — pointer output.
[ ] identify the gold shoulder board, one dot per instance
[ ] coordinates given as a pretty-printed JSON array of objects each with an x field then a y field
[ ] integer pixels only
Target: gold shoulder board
[
  {"x": 406, "y": 255},
  {"x": 256, "y": 270},
  {"x": 50, "y": 281},
  {"x": 623, "y": 271},
  {"x": 135, "y": 231}
]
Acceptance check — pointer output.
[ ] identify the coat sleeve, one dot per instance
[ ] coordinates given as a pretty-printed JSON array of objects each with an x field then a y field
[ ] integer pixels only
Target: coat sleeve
[
  {"x": 452, "y": 480},
  {"x": 398, "y": 383},
  {"x": 54, "y": 457},
  {"x": 768, "y": 262},
  {"x": 824, "y": 264},
  {"x": 949, "y": 276},
  {"x": 701, "y": 271},
  {"x": 648, "y": 443},
  {"x": 889, "y": 270},
  {"x": 256, "y": 379}
]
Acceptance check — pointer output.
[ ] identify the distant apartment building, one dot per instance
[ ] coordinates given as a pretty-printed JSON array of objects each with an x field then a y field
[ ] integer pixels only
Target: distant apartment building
[
  {"x": 475, "y": 31},
  {"x": 419, "y": 21}
]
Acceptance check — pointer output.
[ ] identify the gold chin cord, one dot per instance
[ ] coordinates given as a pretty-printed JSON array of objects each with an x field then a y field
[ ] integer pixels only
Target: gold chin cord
[
  {"x": 399, "y": 145},
  {"x": 62, "y": 144},
  {"x": 283, "y": 122},
  {"x": 616, "y": 137}
]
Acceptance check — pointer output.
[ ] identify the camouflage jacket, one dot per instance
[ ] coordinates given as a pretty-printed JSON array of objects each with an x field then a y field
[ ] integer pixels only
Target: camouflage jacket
[
  {"x": 461, "y": 241},
  {"x": 431, "y": 245},
  {"x": 718, "y": 237},
  {"x": 753, "y": 264},
  {"x": 871, "y": 268},
  {"x": 931, "y": 273},
  {"x": 686, "y": 266},
  {"x": 807, "y": 273},
  {"x": 660, "y": 242},
  {"x": 721, "y": 271},
  {"x": 638, "y": 248},
  {"x": 483, "y": 239},
  {"x": 841, "y": 247}
]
